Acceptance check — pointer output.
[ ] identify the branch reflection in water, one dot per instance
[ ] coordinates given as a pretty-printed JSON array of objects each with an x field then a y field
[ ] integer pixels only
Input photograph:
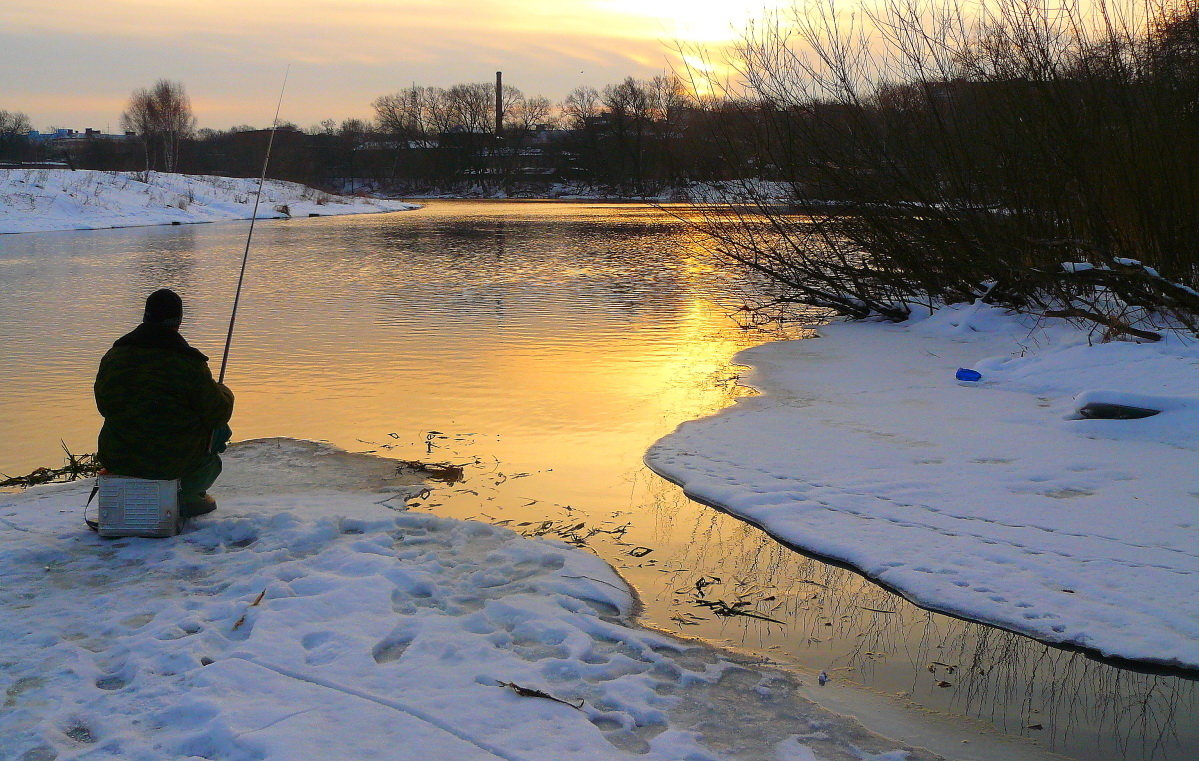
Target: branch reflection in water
[{"x": 869, "y": 635}]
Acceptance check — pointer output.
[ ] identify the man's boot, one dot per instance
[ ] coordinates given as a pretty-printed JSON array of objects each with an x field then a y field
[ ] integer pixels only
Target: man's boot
[{"x": 201, "y": 505}]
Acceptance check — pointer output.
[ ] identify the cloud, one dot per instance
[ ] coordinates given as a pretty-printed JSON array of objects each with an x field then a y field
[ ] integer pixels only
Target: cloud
[{"x": 231, "y": 54}]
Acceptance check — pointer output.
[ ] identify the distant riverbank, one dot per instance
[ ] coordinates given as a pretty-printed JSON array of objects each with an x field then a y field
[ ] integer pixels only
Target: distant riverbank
[{"x": 44, "y": 200}]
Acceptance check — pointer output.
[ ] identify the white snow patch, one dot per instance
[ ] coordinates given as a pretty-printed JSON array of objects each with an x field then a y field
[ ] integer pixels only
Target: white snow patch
[
  {"x": 1077, "y": 266},
  {"x": 306, "y": 620},
  {"x": 981, "y": 499},
  {"x": 40, "y": 200}
]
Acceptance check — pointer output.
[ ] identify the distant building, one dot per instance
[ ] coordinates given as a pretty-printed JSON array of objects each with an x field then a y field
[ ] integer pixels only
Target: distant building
[
  {"x": 90, "y": 148},
  {"x": 542, "y": 135},
  {"x": 64, "y": 136}
]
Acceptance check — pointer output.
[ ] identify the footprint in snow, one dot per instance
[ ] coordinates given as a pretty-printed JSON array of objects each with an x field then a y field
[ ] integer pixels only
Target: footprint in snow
[
  {"x": 315, "y": 639},
  {"x": 322, "y": 648},
  {"x": 392, "y": 647}
]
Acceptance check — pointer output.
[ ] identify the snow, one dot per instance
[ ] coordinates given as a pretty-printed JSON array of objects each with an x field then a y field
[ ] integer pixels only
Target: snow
[
  {"x": 40, "y": 200},
  {"x": 312, "y": 617},
  {"x": 1077, "y": 266},
  {"x": 990, "y": 500}
]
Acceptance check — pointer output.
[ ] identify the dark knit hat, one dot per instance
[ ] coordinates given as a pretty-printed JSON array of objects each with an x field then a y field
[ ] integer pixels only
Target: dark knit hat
[{"x": 164, "y": 307}]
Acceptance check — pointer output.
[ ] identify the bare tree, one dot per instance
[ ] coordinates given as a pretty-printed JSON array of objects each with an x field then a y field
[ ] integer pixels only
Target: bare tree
[
  {"x": 529, "y": 112},
  {"x": 581, "y": 105},
  {"x": 473, "y": 106},
  {"x": 13, "y": 127},
  {"x": 14, "y": 123},
  {"x": 162, "y": 117},
  {"x": 355, "y": 129},
  {"x": 404, "y": 114}
]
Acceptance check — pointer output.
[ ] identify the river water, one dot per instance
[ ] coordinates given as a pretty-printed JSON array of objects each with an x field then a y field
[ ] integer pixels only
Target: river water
[{"x": 545, "y": 346}]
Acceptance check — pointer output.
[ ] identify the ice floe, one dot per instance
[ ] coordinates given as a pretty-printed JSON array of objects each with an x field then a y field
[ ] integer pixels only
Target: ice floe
[{"x": 988, "y": 499}]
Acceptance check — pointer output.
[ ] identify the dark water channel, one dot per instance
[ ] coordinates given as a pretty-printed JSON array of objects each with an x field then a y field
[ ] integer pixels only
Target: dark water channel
[{"x": 547, "y": 345}]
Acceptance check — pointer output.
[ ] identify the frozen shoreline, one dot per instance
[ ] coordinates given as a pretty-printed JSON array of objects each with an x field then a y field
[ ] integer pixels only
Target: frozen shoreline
[
  {"x": 378, "y": 634},
  {"x": 981, "y": 500},
  {"x": 46, "y": 200}
]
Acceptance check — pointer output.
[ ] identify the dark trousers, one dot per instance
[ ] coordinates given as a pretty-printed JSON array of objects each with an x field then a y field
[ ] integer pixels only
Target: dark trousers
[{"x": 193, "y": 485}]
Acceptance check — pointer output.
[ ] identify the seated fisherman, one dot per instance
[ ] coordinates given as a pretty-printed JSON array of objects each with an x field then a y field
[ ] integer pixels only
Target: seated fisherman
[{"x": 164, "y": 415}]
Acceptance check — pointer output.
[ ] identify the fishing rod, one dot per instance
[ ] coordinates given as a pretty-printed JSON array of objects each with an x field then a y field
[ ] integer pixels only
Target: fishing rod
[{"x": 245, "y": 257}]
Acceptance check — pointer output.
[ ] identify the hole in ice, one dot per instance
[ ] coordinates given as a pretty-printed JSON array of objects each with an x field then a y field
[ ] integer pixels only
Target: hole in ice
[
  {"x": 113, "y": 682},
  {"x": 351, "y": 526},
  {"x": 80, "y": 733},
  {"x": 40, "y": 753},
  {"x": 1067, "y": 493},
  {"x": 24, "y": 684}
]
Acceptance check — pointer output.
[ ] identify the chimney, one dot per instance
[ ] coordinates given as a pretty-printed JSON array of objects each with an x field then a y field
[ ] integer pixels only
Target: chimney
[{"x": 499, "y": 104}]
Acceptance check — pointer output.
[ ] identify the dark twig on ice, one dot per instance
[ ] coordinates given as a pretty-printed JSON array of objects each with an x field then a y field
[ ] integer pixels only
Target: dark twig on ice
[
  {"x": 438, "y": 471},
  {"x": 77, "y": 466},
  {"x": 569, "y": 531},
  {"x": 722, "y": 608},
  {"x": 529, "y": 692}
]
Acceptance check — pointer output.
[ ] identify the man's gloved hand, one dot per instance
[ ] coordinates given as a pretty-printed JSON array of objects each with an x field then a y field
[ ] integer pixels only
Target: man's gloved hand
[{"x": 220, "y": 438}]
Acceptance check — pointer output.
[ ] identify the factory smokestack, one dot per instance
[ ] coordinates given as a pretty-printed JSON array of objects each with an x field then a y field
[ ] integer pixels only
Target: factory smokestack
[{"x": 499, "y": 104}]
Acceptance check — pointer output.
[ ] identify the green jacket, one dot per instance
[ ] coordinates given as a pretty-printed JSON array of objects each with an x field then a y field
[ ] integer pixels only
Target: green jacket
[{"x": 160, "y": 405}]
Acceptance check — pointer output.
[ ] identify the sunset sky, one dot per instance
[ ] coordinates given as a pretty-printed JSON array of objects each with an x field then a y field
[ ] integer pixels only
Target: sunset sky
[{"x": 73, "y": 63}]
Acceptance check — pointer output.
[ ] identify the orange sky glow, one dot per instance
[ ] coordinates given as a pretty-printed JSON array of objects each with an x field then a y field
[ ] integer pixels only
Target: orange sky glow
[{"x": 73, "y": 63}]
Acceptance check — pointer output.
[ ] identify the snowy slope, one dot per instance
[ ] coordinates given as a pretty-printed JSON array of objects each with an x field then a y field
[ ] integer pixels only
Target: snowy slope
[
  {"x": 38, "y": 200},
  {"x": 989, "y": 500},
  {"x": 306, "y": 620}
]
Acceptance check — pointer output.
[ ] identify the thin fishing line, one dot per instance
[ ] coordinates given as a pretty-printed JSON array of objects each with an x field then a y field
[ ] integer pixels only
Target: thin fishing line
[
  {"x": 245, "y": 257},
  {"x": 395, "y": 705}
]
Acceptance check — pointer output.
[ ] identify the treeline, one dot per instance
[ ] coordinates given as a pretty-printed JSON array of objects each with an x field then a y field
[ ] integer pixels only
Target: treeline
[{"x": 632, "y": 138}]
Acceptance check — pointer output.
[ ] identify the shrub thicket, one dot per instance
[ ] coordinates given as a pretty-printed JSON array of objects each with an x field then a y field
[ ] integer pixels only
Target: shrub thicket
[{"x": 1043, "y": 156}]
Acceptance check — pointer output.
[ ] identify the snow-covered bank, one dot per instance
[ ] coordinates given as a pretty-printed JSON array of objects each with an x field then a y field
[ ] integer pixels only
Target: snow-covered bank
[
  {"x": 306, "y": 620},
  {"x": 989, "y": 500},
  {"x": 41, "y": 200}
]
